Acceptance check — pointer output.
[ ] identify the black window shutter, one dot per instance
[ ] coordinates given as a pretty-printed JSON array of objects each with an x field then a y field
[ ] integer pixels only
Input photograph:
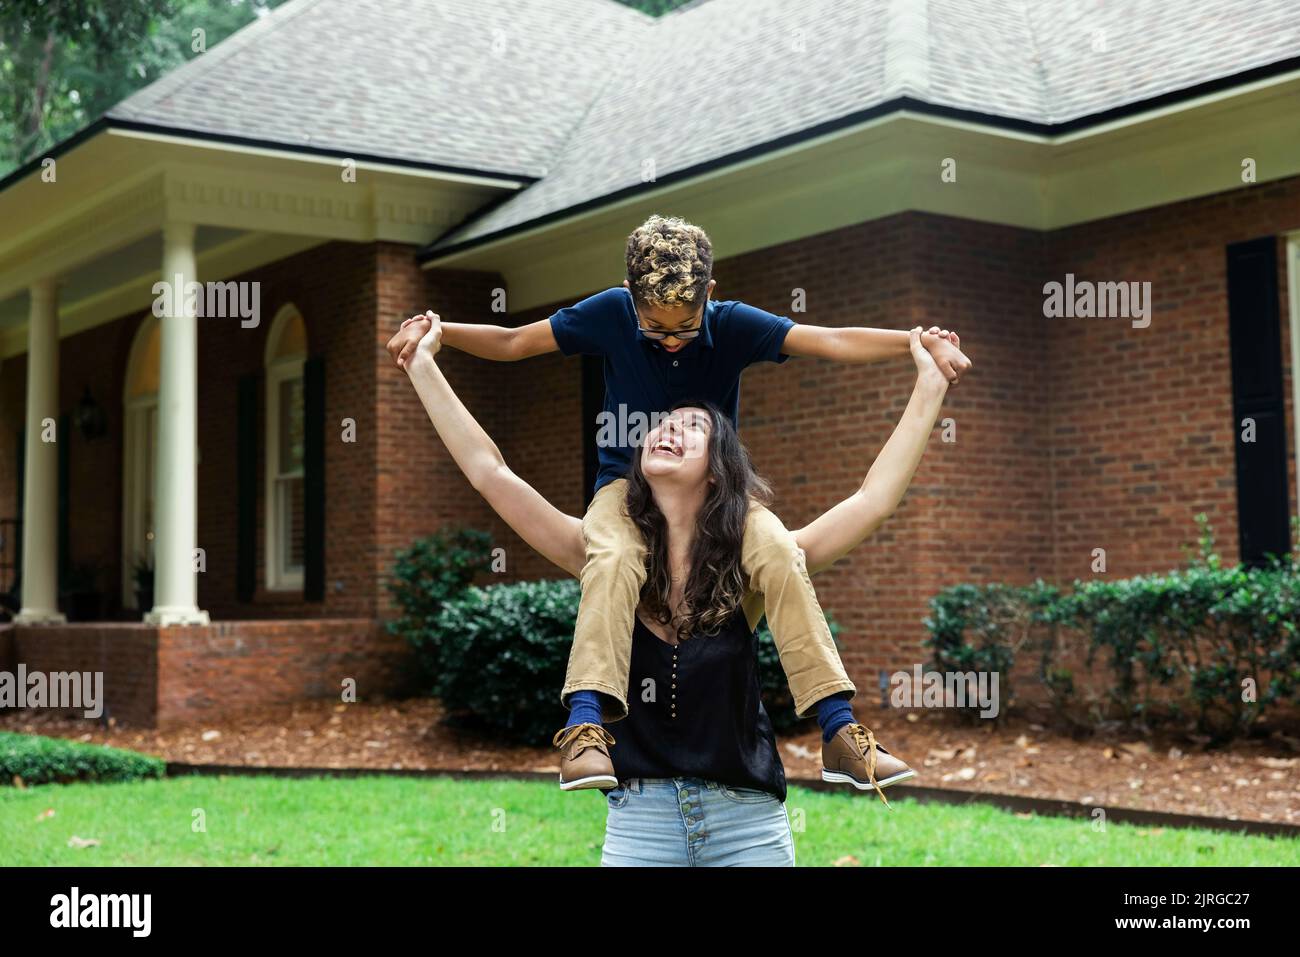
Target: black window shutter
[
  {"x": 246, "y": 487},
  {"x": 313, "y": 493},
  {"x": 63, "y": 439},
  {"x": 1256, "y": 344}
]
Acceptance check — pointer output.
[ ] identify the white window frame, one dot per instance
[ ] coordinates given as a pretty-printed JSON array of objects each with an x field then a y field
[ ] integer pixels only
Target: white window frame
[
  {"x": 135, "y": 482},
  {"x": 277, "y": 371}
]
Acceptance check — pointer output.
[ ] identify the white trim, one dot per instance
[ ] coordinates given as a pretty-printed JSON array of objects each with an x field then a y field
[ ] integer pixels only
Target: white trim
[
  {"x": 1293, "y": 291},
  {"x": 277, "y": 371},
  {"x": 219, "y": 263},
  {"x": 508, "y": 182},
  {"x": 1180, "y": 106}
]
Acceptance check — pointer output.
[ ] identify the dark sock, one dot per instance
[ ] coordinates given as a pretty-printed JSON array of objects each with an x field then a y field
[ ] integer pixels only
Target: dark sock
[
  {"x": 833, "y": 713},
  {"x": 584, "y": 708}
]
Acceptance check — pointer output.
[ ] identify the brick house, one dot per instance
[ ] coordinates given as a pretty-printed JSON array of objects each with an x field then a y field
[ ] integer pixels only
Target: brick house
[{"x": 887, "y": 163}]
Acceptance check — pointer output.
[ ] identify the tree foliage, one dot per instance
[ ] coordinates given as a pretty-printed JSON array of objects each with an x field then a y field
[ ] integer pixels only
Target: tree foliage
[{"x": 63, "y": 63}]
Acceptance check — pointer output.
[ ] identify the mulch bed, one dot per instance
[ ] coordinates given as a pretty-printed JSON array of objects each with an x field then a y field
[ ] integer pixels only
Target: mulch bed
[{"x": 1251, "y": 780}]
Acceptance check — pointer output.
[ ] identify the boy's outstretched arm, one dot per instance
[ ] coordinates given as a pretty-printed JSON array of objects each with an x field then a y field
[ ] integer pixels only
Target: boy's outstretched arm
[
  {"x": 499, "y": 343},
  {"x": 857, "y": 344}
]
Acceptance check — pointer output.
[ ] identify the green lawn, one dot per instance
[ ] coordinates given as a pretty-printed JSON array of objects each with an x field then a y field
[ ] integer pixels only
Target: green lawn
[{"x": 431, "y": 821}]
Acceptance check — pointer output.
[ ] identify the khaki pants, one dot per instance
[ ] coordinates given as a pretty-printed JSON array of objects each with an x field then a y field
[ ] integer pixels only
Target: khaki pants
[{"x": 611, "y": 589}]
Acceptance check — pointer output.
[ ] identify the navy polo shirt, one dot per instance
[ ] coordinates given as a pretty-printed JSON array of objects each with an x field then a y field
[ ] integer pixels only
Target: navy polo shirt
[{"x": 643, "y": 379}]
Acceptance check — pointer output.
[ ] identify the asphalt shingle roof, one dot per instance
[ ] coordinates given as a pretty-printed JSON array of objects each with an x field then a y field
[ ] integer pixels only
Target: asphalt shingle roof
[
  {"x": 728, "y": 75},
  {"x": 492, "y": 85},
  {"x": 583, "y": 94}
]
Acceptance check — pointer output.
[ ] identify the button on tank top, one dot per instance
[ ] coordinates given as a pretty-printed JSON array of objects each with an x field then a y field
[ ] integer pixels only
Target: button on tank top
[{"x": 694, "y": 710}]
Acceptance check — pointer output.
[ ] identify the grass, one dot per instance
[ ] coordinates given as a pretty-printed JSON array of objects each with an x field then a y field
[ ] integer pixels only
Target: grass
[{"x": 442, "y": 821}]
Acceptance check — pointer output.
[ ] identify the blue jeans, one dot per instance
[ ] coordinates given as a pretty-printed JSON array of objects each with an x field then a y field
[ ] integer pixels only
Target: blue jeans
[{"x": 690, "y": 822}]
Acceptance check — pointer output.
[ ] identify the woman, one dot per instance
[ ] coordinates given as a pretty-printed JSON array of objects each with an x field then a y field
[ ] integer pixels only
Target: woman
[{"x": 700, "y": 780}]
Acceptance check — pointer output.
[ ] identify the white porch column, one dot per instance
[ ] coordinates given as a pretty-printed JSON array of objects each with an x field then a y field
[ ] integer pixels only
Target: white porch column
[
  {"x": 176, "y": 462},
  {"x": 40, "y": 583}
]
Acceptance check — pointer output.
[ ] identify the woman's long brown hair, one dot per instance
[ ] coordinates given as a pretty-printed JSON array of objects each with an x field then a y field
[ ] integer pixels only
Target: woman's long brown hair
[{"x": 716, "y": 584}]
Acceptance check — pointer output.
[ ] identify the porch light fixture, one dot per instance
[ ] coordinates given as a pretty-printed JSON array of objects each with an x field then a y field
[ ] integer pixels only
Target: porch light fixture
[{"x": 90, "y": 418}]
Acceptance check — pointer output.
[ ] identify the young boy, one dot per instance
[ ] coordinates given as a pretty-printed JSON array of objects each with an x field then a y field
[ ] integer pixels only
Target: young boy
[{"x": 663, "y": 339}]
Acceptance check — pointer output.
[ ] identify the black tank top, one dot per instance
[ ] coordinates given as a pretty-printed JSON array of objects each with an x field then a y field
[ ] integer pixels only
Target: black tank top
[{"x": 715, "y": 728}]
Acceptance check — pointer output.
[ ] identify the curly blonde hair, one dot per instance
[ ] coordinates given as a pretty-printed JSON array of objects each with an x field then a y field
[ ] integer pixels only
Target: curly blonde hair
[{"x": 669, "y": 262}]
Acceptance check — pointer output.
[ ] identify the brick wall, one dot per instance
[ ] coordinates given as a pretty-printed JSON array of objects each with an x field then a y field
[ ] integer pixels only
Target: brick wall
[
  {"x": 176, "y": 676},
  {"x": 126, "y": 654},
  {"x": 1142, "y": 431},
  {"x": 230, "y": 667},
  {"x": 531, "y": 409},
  {"x": 540, "y": 436},
  {"x": 420, "y": 488}
]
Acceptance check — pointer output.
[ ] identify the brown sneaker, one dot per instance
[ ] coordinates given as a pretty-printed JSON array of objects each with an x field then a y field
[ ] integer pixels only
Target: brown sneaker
[
  {"x": 854, "y": 756},
  {"x": 584, "y": 757}
]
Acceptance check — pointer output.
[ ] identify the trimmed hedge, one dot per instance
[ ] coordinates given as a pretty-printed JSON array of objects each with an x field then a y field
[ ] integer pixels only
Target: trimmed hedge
[
  {"x": 41, "y": 760},
  {"x": 496, "y": 656},
  {"x": 503, "y": 652},
  {"x": 1217, "y": 647},
  {"x": 425, "y": 576}
]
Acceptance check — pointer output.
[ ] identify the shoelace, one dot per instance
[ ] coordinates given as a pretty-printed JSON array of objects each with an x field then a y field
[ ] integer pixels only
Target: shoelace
[
  {"x": 585, "y": 735},
  {"x": 866, "y": 742}
]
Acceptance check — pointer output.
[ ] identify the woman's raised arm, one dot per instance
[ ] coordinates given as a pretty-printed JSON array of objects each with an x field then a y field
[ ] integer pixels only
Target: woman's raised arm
[
  {"x": 553, "y": 534},
  {"x": 836, "y": 532}
]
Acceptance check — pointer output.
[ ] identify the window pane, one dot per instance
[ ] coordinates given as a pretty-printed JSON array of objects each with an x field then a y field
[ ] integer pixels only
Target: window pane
[
  {"x": 291, "y": 426},
  {"x": 289, "y": 503}
]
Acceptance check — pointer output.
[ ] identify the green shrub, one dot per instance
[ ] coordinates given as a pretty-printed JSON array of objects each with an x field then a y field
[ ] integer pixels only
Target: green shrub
[
  {"x": 40, "y": 760},
  {"x": 505, "y": 649},
  {"x": 431, "y": 571},
  {"x": 982, "y": 628},
  {"x": 1219, "y": 646},
  {"x": 1210, "y": 632}
]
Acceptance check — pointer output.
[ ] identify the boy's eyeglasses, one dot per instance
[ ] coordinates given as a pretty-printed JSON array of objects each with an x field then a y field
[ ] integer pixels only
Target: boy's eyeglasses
[
  {"x": 690, "y": 333},
  {"x": 679, "y": 334}
]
